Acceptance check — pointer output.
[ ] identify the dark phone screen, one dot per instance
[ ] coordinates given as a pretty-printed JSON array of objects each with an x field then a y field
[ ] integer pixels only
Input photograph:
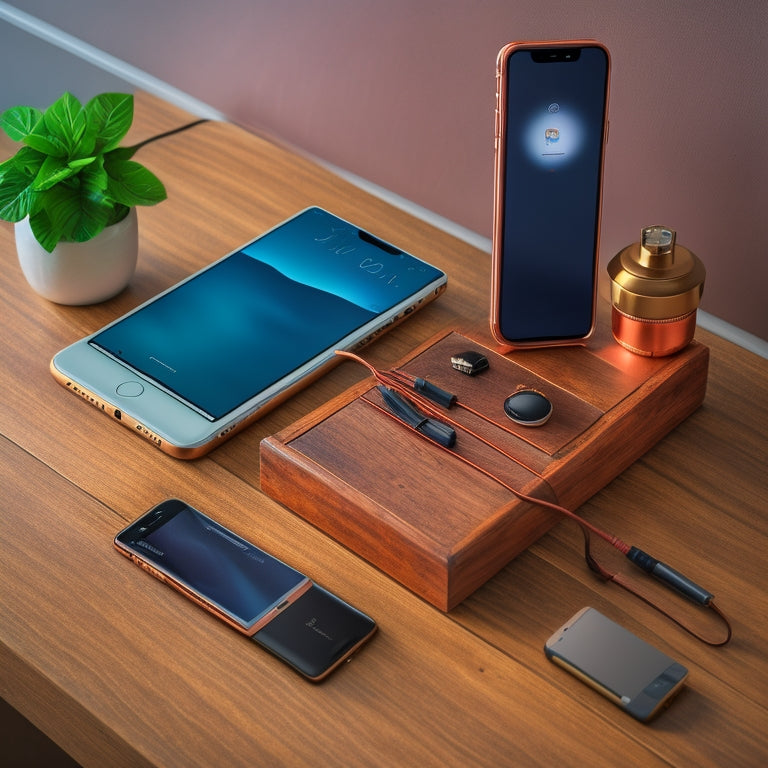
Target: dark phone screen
[
  {"x": 553, "y": 151},
  {"x": 238, "y": 577},
  {"x": 254, "y": 317}
]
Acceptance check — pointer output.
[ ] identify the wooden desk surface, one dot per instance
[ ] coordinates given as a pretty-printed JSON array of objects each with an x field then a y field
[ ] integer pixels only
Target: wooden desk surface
[{"x": 120, "y": 670}]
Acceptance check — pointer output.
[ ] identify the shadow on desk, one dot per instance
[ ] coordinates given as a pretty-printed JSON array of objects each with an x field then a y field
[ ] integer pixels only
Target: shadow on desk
[{"x": 24, "y": 746}]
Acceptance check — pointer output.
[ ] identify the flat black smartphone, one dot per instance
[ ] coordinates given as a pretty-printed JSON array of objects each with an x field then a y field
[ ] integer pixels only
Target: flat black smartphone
[
  {"x": 551, "y": 127},
  {"x": 628, "y": 671},
  {"x": 303, "y": 624}
]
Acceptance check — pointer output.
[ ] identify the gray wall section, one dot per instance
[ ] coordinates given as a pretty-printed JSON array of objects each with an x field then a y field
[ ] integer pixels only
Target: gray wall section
[
  {"x": 37, "y": 73},
  {"x": 401, "y": 92}
]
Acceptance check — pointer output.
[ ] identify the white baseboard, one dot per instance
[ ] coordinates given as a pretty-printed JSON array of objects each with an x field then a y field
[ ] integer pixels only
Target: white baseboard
[{"x": 732, "y": 333}]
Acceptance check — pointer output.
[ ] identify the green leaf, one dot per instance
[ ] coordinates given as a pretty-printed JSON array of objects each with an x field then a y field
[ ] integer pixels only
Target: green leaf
[
  {"x": 96, "y": 209},
  {"x": 81, "y": 162},
  {"x": 130, "y": 183},
  {"x": 119, "y": 212},
  {"x": 18, "y": 122},
  {"x": 26, "y": 160},
  {"x": 48, "y": 145},
  {"x": 120, "y": 154},
  {"x": 109, "y": 117},
  {"x": 94, "y": 180},
  {"x": 95, "y": 214},
  {"x": 15, "y": 192},
  {"x": 44, "y": 232},
  {"x": 70, "y": 216},
  {"x": 52, "y": 171},
  {"x": 93, "y": 219},
  {"x": 65, "y": 122}
]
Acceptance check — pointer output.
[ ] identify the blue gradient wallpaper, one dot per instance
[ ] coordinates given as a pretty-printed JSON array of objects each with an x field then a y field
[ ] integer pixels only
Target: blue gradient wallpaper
[{"x": 248, "y": 320}]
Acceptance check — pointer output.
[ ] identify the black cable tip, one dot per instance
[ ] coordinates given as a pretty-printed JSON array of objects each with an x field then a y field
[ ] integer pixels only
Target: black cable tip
[{"x": 669, "y": 576}]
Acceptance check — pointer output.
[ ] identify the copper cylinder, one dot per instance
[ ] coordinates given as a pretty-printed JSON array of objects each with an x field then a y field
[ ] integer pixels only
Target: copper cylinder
[{"x": 656, "y": 287}]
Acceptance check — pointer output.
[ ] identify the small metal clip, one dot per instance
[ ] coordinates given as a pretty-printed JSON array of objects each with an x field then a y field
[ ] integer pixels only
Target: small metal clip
[{"x": 470, "y": 363}]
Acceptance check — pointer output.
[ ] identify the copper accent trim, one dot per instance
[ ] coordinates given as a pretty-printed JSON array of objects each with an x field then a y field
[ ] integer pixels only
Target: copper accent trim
[{"x": 653, "y": 338}]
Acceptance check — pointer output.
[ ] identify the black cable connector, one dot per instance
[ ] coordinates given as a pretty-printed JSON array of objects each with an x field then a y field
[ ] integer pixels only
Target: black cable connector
[
  {"x": 435, "y": 430},
  {"x": 669, "y": 576},
  {"x": 434, "y": 393}
]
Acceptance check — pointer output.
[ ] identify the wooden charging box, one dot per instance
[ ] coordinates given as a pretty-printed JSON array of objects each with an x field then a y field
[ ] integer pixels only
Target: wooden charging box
[{"x": 442, "y": 527}]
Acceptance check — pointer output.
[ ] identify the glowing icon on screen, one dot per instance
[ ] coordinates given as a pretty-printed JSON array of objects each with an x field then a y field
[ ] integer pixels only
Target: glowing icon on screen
[{"x": 554, "y": 136}]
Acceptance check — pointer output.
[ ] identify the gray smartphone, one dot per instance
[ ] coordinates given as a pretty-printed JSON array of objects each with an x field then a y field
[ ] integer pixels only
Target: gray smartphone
[
  {"x": 625, "y": 669},
  {"x": 196, "y": 364},
  {"x": 253, "y": 592}
]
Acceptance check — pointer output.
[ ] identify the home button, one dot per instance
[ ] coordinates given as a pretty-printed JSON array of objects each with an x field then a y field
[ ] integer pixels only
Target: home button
[{"x": 130, "y": 389}]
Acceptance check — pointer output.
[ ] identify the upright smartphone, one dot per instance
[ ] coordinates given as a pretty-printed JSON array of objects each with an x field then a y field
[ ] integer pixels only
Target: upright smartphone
[
  {"x": 189, "y": 368},
  {"x": 625, "y": 669},
  {"x": 303, "y": 624},
  {"x": 550, "y": 133}
]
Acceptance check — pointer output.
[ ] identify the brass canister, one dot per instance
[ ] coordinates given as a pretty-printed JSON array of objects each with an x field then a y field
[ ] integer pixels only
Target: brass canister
[{"x": 656, "y": 287}]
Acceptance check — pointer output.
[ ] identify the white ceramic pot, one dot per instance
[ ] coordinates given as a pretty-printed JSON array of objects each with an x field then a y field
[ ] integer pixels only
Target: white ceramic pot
[{"x": 81, "y": 273}]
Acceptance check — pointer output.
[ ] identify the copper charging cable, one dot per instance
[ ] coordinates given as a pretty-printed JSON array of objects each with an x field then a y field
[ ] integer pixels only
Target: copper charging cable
[{"x": 413, "y": 401}]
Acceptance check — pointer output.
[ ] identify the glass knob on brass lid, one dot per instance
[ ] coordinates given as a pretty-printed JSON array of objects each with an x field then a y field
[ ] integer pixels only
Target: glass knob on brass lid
[{"x": 656, "y": 287}]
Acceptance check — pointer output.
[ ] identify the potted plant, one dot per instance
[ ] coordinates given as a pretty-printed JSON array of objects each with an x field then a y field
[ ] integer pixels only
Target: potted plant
[{"x": 71, "y": 191}]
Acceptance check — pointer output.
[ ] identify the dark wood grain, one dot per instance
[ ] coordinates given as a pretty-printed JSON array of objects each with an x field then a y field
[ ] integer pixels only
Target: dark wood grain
[{"x": 120, "y": 670}]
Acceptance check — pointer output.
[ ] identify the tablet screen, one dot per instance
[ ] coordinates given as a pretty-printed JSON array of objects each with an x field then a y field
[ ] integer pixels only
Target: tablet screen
[{"x": 250, "y": 319}]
